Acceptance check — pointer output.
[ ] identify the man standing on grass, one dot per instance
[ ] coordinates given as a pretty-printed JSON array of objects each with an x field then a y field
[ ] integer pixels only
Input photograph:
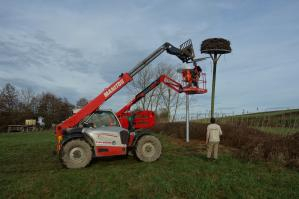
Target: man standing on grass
[{"x": 213, "y": 138}]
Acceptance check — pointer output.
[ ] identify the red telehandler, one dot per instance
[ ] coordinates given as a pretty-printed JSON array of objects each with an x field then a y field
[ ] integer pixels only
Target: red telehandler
[{"x": 92, "y": 132}]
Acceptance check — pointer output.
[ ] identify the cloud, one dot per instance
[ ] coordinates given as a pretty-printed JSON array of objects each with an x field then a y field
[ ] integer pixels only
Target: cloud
[
  {"x": 76, "y": 48},
  {"x": 36, "y": 61}
]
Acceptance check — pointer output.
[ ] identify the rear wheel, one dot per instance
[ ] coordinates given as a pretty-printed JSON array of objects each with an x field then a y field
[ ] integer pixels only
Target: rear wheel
[
  {"x": 76, "y": 154},
  {"x": 148, "y": 148}
]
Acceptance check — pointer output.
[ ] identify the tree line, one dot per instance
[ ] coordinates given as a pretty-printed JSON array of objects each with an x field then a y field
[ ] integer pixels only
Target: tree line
[{"x": 17, "y": 105}]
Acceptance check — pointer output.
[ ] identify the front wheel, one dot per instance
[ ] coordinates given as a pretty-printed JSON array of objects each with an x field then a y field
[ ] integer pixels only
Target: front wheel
[
  {"x": 148, "y": 148},
  {"x": 76, "y": 154}
]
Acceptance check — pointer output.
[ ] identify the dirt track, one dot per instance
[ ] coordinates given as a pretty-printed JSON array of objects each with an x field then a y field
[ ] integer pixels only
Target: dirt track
[{"x": 252, "y": 144}]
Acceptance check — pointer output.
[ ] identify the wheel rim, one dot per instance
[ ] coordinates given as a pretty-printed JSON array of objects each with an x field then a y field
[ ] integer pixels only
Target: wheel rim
[
  {"x": 77, "y": 154},
  {"x": 148, "y": 149}
]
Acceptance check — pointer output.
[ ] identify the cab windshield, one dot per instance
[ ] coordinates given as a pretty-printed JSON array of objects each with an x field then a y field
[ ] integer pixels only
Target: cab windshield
[{"x": 100, "y": 119}]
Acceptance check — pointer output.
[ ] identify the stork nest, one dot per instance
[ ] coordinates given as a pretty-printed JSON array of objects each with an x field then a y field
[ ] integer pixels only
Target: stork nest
[{"x": 215, "y": 46}]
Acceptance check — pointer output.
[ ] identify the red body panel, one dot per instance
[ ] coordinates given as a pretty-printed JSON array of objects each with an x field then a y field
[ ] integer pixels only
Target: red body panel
[
  {"x": 131, "y": 138},
  {"x": 142, "y": 119},
  {"x": 124, "y": 121},
  {"x": 102, "y": 151}
]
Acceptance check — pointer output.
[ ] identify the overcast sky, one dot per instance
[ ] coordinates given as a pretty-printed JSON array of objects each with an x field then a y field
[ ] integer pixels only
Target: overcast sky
[{"x": 76, "y": 48}]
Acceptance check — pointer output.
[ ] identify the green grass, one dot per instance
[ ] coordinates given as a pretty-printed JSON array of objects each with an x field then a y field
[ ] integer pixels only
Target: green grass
[{"x": 30, "y": 170}]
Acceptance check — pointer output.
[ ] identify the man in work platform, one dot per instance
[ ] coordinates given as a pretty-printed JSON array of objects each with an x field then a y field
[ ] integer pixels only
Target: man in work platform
[
  {"x": 196, "y": 75},
  {"x": 213, "y": 138}
]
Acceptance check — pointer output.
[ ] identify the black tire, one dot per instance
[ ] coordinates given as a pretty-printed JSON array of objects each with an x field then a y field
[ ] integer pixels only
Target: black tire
[
  {"x": 76, "y": 154},
  {"x": 148, "y": 148}
]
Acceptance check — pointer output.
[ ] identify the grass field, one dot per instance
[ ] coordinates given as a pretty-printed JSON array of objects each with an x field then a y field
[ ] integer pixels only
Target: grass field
[
  {"x": 278, "y": 130},
  {"x": 273, "y": 113},
  {"x": 30, "y": 170}
]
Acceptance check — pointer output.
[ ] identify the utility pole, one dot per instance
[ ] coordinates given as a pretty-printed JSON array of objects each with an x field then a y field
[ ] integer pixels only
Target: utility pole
[
  {"x": 215, "y": 47},
  {"x": 187, "y": 118},
  {"x": 215, "y": 59}
]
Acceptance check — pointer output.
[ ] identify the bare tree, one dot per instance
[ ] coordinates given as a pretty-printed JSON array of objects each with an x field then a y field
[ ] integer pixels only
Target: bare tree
[
  {"x": 26, "y": 96},
  {"x": 53, "y": 109},
  {"x": 162, "y": 99},
  {"x": 141, "y": 81},
  {"x": 9, "y": 98},
  {"x": 8, "y": 106},
  {"x": 178, "y": 102},
  {"x": 171, "y": 100}
]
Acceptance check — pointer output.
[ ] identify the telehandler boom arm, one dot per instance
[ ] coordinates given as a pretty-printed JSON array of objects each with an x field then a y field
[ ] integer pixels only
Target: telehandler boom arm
[{"x": 162, "y": 79}]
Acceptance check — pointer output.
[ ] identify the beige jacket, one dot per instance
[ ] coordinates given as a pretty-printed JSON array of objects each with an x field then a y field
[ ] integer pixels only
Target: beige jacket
[{"x": 213, "y": 133}]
